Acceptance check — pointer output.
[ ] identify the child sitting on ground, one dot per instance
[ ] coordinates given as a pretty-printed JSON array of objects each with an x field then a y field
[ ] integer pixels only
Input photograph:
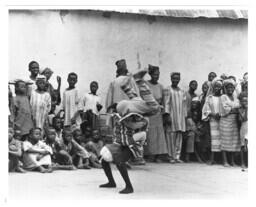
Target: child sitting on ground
[
  {"x": 60, "y": 160},
  {"x": 92, "y": 150},
  {"x": 37, "y": 155},
  {"x": 57, "y": 125},
  {"x": 75, "y": 153},
  {"x": 15, "y": 153}
]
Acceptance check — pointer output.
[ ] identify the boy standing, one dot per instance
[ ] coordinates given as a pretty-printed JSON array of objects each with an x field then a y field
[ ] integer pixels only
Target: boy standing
[
  {"x": 71, "y": 101},
  {"x": 175, "y": 117}
]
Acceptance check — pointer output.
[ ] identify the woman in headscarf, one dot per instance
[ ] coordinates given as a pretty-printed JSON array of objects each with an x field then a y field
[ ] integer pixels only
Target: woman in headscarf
[
  {"x": 211, "y": 112},
  {"x": 230, "y": 141},
  {"x": 156, "y": 143}
]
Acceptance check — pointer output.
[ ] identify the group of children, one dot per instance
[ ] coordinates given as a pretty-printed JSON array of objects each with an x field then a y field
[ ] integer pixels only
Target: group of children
[{"x": 47, "y": 132}]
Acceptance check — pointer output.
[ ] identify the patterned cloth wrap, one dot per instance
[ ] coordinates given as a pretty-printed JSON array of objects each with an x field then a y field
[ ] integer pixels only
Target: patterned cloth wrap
[{"x": 125, "y": 129}]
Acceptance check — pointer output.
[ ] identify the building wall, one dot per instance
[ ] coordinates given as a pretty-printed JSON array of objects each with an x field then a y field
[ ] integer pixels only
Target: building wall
[{"x": 89, "y": 44}]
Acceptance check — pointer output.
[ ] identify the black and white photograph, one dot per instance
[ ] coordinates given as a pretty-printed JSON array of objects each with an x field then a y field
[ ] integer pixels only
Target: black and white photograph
[{"x": 127, "y": 102}]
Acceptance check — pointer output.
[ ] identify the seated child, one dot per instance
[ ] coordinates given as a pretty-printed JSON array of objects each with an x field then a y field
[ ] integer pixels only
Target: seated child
[
  {"x": 15, "y": 152},
  {"x": 128, "y": 140},
  {"x": 57, "y": 125},
  {"x": 58, "y": 158},
  {"x": 37, "y": 155},
  {"x": 75, "y": 154},
  {"x": 243, "y": 119},
  {"x": 90, "y": 146}
]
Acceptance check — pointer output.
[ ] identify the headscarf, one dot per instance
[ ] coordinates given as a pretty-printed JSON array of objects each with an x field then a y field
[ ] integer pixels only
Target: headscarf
[
  {"x": 46, "y": 70},
  {"x": 212, "y": 84},
  {"x": 229, "y": 81}
]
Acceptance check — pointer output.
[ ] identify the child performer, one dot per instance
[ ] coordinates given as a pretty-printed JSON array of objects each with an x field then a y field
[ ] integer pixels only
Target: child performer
[
  {"x": 37, "y": 155},
  {"x": 243, "y": 119},
  {"x": 15, "y": 153},
  {"x": 130, "y": 131},
  {"x": 40, "y": 103},
  {"x": 71, "y": 101},
  {"x": 22, "y": 109}
]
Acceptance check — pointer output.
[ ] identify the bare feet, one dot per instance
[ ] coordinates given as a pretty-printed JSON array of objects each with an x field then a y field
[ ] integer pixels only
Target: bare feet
[
  {"x": 139, "y": 75},
  {"x": 108, "y": 185},
  {"x": 20, "y": 170},
  {"x": 126, "y": 190}
]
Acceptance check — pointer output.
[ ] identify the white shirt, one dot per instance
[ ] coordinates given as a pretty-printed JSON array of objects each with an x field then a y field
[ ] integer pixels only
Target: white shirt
[{"x": 90, "y": 101}]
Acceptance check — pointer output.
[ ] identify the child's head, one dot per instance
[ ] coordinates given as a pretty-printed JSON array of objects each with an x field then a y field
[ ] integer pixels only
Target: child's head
[
  {"x": 33, "y": 67},
  {"x": 17, "y": 133},
  {"x": 94, "y": 87},
  {"x": 50, "y": 134},
  {"x": 205, "y": 87},
  {"x": 175, "y": 79},
  {"x": 67, "y": 134},
  {"x": 193, "y": 85},
  {"x": 243, "y": 97},
  {"x": 154, "y": 73},
  {"x": 10, "y": 134},
  {"x": 211, "y": 76},
  {"x": 195, "y": 104},
  {"x": 95, "y": 135},
  {"x": 41, "y": 83},
  {"x": 20, "y": 87},
  {"x": 35, "y": 134},
  {"x": 77, "y": 134},
  {"x": 57, "y": 123},
  {"x": 195, "y": 116},
  {"x": 47, "y": 72},
  {"x": 244, "y": 85},
  {"x": 72, "y": 79}
]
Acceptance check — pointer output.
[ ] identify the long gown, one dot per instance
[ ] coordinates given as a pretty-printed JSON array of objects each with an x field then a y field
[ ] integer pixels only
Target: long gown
[{"x": 156, "y": 142}]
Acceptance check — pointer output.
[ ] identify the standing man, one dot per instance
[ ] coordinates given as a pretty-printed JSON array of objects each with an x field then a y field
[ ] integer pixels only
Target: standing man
[
  {"x": 115, "y": 94},
  {"x": 175, "y": 117}
]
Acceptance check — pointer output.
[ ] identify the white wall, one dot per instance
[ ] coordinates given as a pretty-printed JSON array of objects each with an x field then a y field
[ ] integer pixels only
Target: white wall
[{"x": 89, "y": 44}]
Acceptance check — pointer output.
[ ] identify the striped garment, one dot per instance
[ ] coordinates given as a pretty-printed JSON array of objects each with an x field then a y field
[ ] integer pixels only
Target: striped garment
[
  {"x": 40, "y": 106},
  {"x": 176, "y": 106},
  {"x": 115, "y": 94},
  {"x": 230, "y": 139},
  {"x": 70, "y": 104},
  {"x": 124, "y": 137},
  {"x": 213, "y": 105}
]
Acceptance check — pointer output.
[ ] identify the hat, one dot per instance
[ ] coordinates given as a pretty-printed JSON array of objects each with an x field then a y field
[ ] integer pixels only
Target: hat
[
  {"x": 121, "y": 64},
  {"x": 152, "y": 68},
  {"x": 175, "y": 73},
  {"x": 46, "y": 70},
  {"x": 40, "y": 77}
]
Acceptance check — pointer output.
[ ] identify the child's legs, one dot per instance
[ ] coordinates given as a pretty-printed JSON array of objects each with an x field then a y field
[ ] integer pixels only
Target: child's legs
[
  {"x": 124, "y": 173},
  {"x": 13, "y": 163},
  {"x": 63, "y": 158},
  {"x": 178, "y": 144}
]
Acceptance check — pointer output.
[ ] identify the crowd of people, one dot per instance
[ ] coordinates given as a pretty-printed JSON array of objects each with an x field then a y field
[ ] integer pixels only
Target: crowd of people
[{"x": 50, "y": 132}]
